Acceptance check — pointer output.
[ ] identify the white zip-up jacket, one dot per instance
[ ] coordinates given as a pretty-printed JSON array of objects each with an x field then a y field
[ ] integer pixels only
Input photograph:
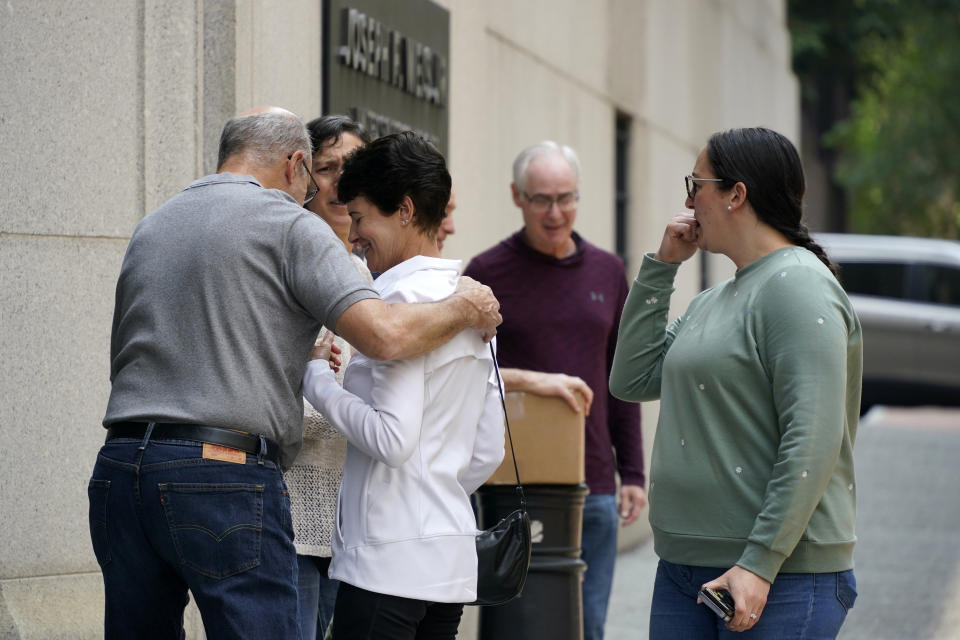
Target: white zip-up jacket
[{"x": 423, "y": 434}]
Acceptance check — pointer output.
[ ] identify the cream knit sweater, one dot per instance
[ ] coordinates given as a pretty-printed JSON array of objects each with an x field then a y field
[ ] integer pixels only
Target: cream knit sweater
[{"x": 314, "y": 478}]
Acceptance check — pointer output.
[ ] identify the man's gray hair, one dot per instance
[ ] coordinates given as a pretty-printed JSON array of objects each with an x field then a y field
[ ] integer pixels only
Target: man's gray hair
[
  {"x": 264, "y": 137},
  {"x": 547, "y": 147}
]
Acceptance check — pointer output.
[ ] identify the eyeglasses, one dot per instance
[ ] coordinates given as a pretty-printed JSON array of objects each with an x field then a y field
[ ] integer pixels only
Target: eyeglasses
[
  {"x": 540, "y": 203},
  {"x": 311, "y": 193},
  {"x": 692, "y": 185}
]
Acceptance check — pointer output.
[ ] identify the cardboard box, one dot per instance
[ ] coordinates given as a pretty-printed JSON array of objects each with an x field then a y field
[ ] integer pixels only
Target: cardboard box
[{"x": 548, "y": 438}]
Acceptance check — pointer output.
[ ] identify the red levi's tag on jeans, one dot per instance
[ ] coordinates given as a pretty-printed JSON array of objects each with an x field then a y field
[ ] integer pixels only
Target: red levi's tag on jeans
[{"x": 224, "y": 454}]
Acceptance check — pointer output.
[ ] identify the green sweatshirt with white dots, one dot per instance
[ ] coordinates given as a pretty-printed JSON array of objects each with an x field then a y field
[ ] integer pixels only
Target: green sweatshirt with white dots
[{"x": 759, "y": 389}]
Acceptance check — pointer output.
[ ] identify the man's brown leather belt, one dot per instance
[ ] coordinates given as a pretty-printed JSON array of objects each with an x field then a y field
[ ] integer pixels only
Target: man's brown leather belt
[{"x": 240, "y": 440}]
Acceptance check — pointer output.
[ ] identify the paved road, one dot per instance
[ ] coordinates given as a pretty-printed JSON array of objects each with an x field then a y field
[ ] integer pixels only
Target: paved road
[{"x": 908, "y": 525}]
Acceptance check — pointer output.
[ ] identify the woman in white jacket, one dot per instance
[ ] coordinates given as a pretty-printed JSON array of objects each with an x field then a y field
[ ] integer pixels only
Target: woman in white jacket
[{"x": 423, "y": 433}]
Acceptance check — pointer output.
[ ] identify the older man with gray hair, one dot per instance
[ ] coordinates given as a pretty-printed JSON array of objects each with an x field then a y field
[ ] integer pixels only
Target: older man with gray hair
[
  {"x": 221, "y": 295},
  {"x": 562, "y": 298}
]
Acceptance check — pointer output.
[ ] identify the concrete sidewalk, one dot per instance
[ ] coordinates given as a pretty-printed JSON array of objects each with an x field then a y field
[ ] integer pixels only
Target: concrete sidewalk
[{"x": 629, "y": 614}]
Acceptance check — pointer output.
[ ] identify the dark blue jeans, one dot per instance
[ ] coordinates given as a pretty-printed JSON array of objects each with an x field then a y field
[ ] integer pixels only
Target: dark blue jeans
[
  {"x": 599, "y": 544},
  {"x": 164, "y": 520},
  {"x": 318, "y": 596},
  {"x": 800, "y": 606}
]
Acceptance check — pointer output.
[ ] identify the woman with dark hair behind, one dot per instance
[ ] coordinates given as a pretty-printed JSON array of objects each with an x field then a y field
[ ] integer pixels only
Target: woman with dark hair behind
[
  {"x": 423, "y": 433},
  {"x": 314, "y": 477},
  {"x": 333, "y": 139},
  {"x": 752, "y": 482}
]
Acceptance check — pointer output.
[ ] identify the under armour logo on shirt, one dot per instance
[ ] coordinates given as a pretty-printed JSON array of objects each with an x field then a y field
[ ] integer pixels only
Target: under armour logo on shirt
[{"x": 596, "y": 297}]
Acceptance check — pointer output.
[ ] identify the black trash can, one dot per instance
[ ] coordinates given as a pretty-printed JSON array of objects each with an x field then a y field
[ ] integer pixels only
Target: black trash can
[{"x": 550, "y": 607}]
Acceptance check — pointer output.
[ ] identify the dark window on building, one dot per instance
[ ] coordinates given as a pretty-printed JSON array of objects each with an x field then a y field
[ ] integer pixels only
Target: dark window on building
[{"x": 622, "y": 187}]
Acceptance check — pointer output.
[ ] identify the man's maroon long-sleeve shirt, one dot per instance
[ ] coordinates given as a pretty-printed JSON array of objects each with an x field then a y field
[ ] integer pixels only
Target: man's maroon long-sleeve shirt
[{"x": 562, "y": 316}]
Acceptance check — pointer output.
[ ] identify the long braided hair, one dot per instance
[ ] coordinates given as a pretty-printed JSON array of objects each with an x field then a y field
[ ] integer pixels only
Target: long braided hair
[{"x": 769, "y": 165}]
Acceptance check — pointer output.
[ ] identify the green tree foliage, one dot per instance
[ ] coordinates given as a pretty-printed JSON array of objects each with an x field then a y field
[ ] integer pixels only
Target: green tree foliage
[
  {"x": 901, "y": 161},
  {"x": 897, "y": 147},
  {"x": 827, "y": 38}
]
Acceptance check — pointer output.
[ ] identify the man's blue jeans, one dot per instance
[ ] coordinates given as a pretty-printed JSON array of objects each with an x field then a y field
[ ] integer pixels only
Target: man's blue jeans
[
  {"x": 800, "y": 606},
  {"x": 599, "y": 544},
  {"x": 163, "y": 520}
]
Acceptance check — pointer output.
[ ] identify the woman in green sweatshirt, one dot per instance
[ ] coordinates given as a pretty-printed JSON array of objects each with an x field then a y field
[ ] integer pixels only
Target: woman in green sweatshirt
[{"x": 752, "y": 486}]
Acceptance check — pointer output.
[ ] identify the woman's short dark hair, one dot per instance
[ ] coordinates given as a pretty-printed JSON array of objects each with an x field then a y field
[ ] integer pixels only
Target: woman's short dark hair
[
  {"x": 394, "y": 166},
  {"x": 768, "y": 164},
  {"x": 326, "y": 131}
]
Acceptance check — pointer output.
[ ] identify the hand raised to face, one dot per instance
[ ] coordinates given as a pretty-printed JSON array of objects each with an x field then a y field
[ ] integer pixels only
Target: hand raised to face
[{"x": 680, "y": 239}]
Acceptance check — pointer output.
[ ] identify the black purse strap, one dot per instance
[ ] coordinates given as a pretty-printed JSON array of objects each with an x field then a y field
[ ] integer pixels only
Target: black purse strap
[{"x": 506, "y": 421}]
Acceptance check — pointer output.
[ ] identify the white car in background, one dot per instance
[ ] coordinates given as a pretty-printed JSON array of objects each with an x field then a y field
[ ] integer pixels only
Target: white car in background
[{"x": 906, "y": 292}]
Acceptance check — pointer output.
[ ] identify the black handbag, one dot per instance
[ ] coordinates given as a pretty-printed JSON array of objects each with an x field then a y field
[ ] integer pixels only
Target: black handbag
[{"x": 503, "y": 551}]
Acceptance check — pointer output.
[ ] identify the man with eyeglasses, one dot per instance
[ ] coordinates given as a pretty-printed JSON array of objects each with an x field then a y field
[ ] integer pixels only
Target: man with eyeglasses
[
  {"x": 561, "y": 299},
  {"x": 221, "y": 295}
]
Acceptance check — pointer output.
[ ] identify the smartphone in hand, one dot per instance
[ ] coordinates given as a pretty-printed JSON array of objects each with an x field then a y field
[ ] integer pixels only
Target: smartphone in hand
[{"x": 720, "y": 602}]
